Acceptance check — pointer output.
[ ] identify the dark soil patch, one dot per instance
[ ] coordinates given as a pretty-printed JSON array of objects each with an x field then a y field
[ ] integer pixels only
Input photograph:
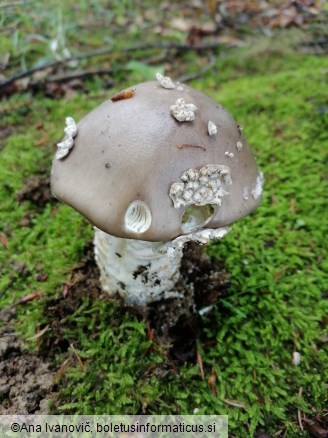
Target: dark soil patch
[
  {"x": 176, "y": 321},
  {"x": 202, "y": 284},
  {"x": 25, "y": 379},
  {"x": 36, "y": 189}
]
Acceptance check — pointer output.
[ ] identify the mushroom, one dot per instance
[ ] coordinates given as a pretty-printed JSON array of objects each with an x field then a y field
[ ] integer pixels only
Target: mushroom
[{"x": 150, "y": 181}]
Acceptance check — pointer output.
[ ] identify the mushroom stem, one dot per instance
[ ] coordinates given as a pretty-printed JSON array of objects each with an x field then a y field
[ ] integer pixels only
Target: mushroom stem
[{"x": 140, "y": 272}]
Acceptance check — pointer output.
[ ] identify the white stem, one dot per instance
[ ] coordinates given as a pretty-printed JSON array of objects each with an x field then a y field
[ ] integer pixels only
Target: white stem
[{"x": 140, "y": 272}]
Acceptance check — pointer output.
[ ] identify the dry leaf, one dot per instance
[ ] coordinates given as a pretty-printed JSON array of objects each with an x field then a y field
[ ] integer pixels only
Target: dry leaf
[
  {"x": 200, "y": 363},
  {"x": 235, "y": 403},
  {"x": 27, "y": 298},
  {"x": 66, "y": 290},
  {"x": 212, "y": 381}
]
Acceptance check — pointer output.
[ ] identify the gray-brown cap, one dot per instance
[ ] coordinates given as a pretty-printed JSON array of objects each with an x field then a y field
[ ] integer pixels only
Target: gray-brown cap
[{"x": 154, "y": 163}]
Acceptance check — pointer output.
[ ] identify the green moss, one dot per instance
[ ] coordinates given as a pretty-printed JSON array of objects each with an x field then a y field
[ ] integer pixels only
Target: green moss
[
  {"x": 121, "y": 378},
  {"x": 277, "y": 258}
]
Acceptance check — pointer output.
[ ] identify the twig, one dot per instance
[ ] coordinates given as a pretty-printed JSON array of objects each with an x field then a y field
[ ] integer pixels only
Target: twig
[
  {"x": 106, "y": 51},
  {"x": 200, "y": 363},
  {"x": 27, "y": 298},
  {"x": 60, "y": 372},
  {"x": 28, "y": 73},
  {"x": 157, "y": 59},
  {"x": 150, "y": 337},
  {"x": 299, "y": 413},
  {"x": 78, "y": 357},
  {"x": 200, "y": 73},
  {"x": 164, "y": 45},
  {"x": 38, "y": 334},
  {"x": 75, "y": 75},
  {"x": 212, "y": 382},
  {"x": 234, "y": 403}
]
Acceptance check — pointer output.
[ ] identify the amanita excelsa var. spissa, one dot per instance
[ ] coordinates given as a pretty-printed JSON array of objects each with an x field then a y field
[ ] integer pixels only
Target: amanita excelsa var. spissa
[{"x": 154, "y": 167}]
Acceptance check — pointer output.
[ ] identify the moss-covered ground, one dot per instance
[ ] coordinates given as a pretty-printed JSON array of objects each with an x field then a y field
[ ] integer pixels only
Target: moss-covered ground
[{"x": 277, "y": 258}]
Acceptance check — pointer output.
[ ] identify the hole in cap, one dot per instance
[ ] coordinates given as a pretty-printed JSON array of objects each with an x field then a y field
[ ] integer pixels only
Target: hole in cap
[
  {"x": 137, "y": 217},
  {"x": 196, "y": 216}
]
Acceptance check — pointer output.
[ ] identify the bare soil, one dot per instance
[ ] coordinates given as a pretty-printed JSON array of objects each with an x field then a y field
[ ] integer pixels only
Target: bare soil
[
  {"x": 25, "y": 378},
  {"x": 36, "y": 189}
]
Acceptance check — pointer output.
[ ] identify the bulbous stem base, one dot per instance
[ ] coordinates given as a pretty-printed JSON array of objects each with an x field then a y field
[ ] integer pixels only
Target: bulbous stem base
[{"x": 140, "y": 272}]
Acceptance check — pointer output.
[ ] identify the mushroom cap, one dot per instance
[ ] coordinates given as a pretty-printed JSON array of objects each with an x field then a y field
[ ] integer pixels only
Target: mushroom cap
[{"x": 134, "y": 149}]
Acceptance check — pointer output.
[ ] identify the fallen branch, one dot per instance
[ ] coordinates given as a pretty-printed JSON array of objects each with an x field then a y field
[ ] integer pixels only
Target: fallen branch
[
  {"x": 106, "y": 51},
  {"x": 164, "y": 45},
  {"x": 28, "y": 73},
  {"x": 75, "y": 75}
]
